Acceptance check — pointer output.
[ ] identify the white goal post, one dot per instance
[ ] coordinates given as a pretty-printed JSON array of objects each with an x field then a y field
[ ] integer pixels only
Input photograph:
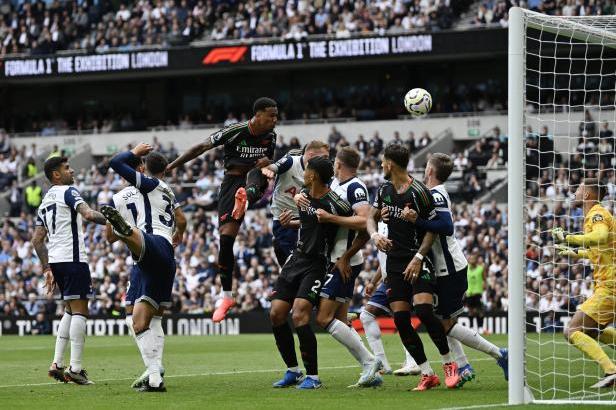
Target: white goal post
[{"x": 562, "y": 91}]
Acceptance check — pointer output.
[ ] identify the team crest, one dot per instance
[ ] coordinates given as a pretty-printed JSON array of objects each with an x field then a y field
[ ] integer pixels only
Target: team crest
[{"x": 597, "y": 218}]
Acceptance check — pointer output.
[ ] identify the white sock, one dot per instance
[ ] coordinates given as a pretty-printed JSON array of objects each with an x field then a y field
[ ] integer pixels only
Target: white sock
[
  {"x": 147, "y": 345},
  {"x": 342, "y": 333},
  {"x": 458, "y": 351},
  {"x": 408, "y": 361},
  {"x": 156, "y": 325},
  {"x": 426, "y": 368},
  {"x": 62, "y": 339},
  {"x": 294, "y": 369},
  {"x": 129, "y": 324},
  {"x": 78, "y": 338},
  {"x": 373, "y": 334},
  {"x": 472, "y": 338},
  {"x": 227, "y": 294},
  {"x": 313, "y": 376},
  {"x": 446, "y": 358}
]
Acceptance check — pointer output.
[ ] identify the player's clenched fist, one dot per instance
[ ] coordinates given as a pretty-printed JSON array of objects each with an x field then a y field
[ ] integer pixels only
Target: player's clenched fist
[{"x": 382, "y": 243}]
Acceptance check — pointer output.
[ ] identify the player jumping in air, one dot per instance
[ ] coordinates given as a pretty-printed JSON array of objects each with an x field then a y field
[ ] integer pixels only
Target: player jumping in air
[
  {"x": 597, "y": 245},
  {"x": 65, "y": 263},
  {"x": 153, "y": 250},
  {"x": 131, "y": 205},
  {"x": 289, "y": 174},
  {"x": 303, "y": 274},
  {"x": 451, "y": 267},
  {"x": 249, "y": 146},
  {"x": 410, "y": 270}
]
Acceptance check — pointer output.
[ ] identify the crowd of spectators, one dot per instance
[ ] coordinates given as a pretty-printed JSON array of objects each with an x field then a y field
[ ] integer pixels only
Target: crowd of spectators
[
  {"x": 44, "y": 27},
  {"x": 496, "y": 12}
]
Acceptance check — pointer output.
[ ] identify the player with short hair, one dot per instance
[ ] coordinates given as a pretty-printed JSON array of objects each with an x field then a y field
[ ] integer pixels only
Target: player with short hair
[
  {"x": 303, "y": 274},
  {"x": 288, "y": 172},
  {"x": 410, "y": 270},
  {"x": 65, "y": 264},
  {"x": 249, "y": 146},
  {"x": 596, "y": 244},
  {"x": 152, "y": 248},
  {"x": 451, "y": 267}
]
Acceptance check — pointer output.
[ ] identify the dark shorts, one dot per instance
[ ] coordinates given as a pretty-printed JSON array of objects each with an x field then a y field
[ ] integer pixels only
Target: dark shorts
[
  {"x": 474, "y": 302},
  {"x": 226, "y": 197},
  {"x": 285, "y": 240},
  {"x": 301, "y": 277},
  {"x": 449, "y": 298},
  {"x": 401, "y": 290},
  {"x": 157, "y": 264},
  {"x": 134, "y": 286},
  {"x": 379, "y": 299},
  {"x": 334, "y": 288},
  {"x": 73, "y": 280}
]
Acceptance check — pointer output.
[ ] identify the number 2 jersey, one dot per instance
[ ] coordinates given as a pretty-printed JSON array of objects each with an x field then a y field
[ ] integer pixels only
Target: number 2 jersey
[
  {"x": 318, "y": 239},
  {"x": 58, "y": 214},
  {"x": 157, "y": 203}
]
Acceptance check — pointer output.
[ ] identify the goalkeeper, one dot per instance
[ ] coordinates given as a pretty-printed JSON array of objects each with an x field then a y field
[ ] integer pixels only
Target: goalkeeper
[{"x": 597, "y": 245}]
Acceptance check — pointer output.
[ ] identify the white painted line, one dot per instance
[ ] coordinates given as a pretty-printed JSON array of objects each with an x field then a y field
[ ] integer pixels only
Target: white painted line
[{"x": 478, "y": 406}]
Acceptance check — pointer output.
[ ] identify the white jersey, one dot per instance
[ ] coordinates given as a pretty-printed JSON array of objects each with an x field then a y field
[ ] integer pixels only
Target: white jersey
[
  {"x": 448, "y": 255},
  {"x": 354, "y": 192},
  {"x": 289, "y": 181},
  {"x": 382, "y": 256},
  {"x": 129, "y": 203},
  {"x": 159, "y": 201},
  {"x": 58, "y": 214}
]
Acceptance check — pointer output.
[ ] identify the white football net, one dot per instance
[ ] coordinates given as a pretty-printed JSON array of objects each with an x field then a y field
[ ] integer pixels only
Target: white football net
[{"x": 569, "y": 121}]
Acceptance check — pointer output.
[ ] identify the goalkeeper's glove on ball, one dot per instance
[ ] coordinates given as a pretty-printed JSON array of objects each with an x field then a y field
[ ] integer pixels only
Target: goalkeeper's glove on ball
[{"x": 559, "y": 235}]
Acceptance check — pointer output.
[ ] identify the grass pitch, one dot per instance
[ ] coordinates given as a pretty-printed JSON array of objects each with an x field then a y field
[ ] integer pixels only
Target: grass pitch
[{"x": 234, "y": 372}]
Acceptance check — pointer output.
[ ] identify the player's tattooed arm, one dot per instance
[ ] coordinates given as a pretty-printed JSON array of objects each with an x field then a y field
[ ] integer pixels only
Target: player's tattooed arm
[
  {"x": 191, "y": 154},
  {"x": 180, "y": 226},
  {"x": 90, "y": 214},
  {"x": 38, "y": 242}
]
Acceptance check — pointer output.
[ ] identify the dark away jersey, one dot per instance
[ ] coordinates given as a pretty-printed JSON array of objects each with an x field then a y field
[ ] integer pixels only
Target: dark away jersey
[
  {"x": 406, "y": 237},
  {"x": 242, "y": 148},
  {"x": 317, "y": 239}
]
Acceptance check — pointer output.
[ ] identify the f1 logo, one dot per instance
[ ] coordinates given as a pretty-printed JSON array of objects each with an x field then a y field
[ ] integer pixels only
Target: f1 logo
[{"x": 230, "y": 54}]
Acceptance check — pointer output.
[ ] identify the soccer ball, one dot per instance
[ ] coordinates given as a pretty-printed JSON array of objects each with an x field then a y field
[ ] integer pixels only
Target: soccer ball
[{"x": 418, "y": 102}]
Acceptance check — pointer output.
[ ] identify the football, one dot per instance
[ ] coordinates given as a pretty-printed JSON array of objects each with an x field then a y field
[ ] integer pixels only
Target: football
[{"x": 418, "y": 102}]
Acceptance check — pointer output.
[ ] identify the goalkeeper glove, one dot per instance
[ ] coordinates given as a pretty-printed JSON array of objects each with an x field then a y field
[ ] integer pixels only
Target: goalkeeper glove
[
  {"x": 558, "y": 234},
  {"x": 564, "y": 250}
]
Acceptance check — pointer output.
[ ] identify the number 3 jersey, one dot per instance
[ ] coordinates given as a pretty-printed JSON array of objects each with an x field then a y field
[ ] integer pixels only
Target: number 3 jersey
[
  {"x": 58, "y": 214},
  {"x": 289, "y": 181}
]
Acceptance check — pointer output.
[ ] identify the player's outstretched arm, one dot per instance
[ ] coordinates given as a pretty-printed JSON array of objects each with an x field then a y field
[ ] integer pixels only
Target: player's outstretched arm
[
  {"x": 192, "y": 153},
  {"x": 442, "y": 224},
  {"x": 90, "y": 214},
  {"x": 119, "y": 164},
  {"x": 180, "y": 226},
  {"x": 598, "y": 236}
]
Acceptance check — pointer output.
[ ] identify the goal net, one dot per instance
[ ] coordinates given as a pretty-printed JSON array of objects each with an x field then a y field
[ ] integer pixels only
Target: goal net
[{"x": 562, "y": 115}]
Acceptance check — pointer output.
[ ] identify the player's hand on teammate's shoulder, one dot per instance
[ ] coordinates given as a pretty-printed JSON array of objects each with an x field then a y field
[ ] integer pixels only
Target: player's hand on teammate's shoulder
[
  {"x": 262, "y": 162},
  {"x": 268, "y": 173},
  {"x": 323, "y": 216},
  {"x": 409, "y": 215},
  {"x": 142, "y": 149},
  {"x": 301, "y": 200}
]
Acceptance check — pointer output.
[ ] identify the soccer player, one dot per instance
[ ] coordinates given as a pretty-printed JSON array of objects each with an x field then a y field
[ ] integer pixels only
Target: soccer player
[
  {"x": 289, "y": 174},
  {"x": 303, "y": 275},
  {"x": 597, "y": 245},
  {"x": 410, "y": 271},
  {"x": 64, "y": 263},
  {"x": 476, "y": 274},
  {"x": 152, "y": 249},
  {"x": 378, "y": 306},
  {"x": 249, "y": 146},
  {"x": 131, "y": 205},
  {"x": 346, "y": 263},
  {"x": 451, "y": 268}
]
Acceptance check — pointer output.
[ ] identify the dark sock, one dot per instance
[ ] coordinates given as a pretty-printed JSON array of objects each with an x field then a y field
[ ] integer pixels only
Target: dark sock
[
  {"x": 435, "y": 329},
  {"x": 308, "y": 348},
  {"x": 256, "y": 184},
  {"x": 410, "y": 338},
  {"x": 285, "y": 343},
  {"x": 480, "y": 321},
  {"x": 226, "y": 261},
  {"x": 433, "y": 326}
]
